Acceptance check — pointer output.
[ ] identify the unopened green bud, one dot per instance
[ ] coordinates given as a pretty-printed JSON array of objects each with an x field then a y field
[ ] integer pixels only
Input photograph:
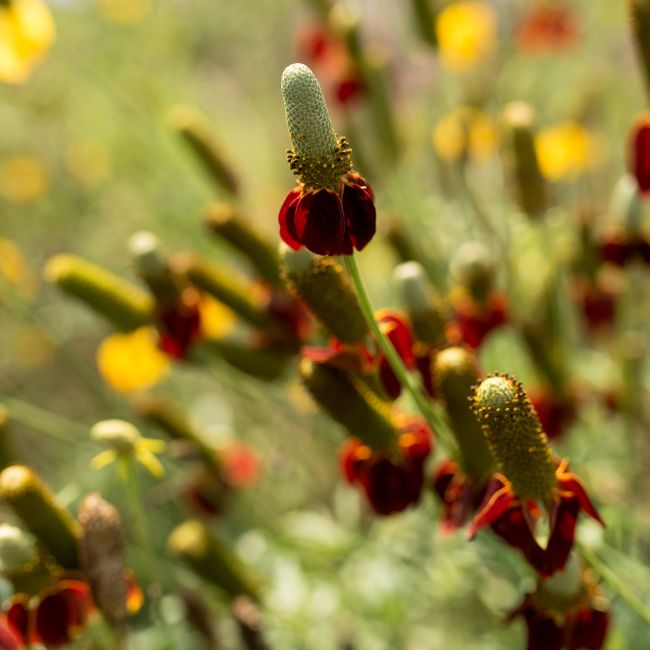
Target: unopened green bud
[
  {"x": 226, "y": 221},
  {"x": 199, "y": 134},
  {"x": 455, "y": 372},
  {"x": 425, "y": 308},
  {"x": 101, "y": 550},
  {"x": 351, "y": 403},
  {"x": 33, "y": 503},
  {"x": 318, "y": 158},
  {"x": 235, "y": 292},
  {"x": 211, "y": 559},
  {"x": 515, "y": 436},
  {"x": 265, "y": 364},
  {"x": 122, "y": 303},
  {"x": 322, "y": 284},
  {"x": 640, "y": 25},
  {"x": 121, "y": 436},
  {"x": 473, "y": 267},
  {"x": 520, "y": 159}
]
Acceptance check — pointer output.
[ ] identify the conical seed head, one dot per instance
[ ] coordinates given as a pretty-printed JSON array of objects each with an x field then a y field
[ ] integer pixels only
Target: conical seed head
[
  {"x": 515, "y": 437},
  {"x": 308, "y": 119}
]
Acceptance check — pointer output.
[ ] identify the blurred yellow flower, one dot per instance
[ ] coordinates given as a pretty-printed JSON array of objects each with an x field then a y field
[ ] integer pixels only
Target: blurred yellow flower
[
  {"x": 132, "y": 361},
  {"x": 565, "y": 150},
  {"x": 124, "y": 11},
  {"x": 22, "y": 179},
  {"x": 466, "y": 33},
  {"x": 465, "y": 132},
  {"x": 217, "y": 320},
  {"x": 26, "y": 33},
  {"x": 88, "y": 161},
  {"x": 125, "y": 443},
  {"x": 14, "y": 268}
]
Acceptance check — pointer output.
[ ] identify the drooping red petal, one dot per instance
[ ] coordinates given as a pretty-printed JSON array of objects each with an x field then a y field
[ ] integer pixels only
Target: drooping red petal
[
  {"x": 18, "y": 618},
  {"x": 589, "y": 629},
  {"x": 560, "y": 541},
  {"x": 498, "y": 499},
  {"x": 180, "y": 325},
  {"x": 287, "y": 217},
  {"x": 391, "y": 488},
  {"x": 360, "y": 215},
  {"x": 455, "y": 492},
  {"x": 353, "y": 457},
  {"x": 640, "y": 153},
  {"x": 415, "y": 440},
  {"x": 8, "y": 640},
  {"x": 543, "y": 632},
  {"x": 356, "y": 179},
  {"x": 571, "y": 483},
  {"x": 54, "y": 621},
  {"x": 319, "y": 222},
  {"x": 396, "y": 329}
]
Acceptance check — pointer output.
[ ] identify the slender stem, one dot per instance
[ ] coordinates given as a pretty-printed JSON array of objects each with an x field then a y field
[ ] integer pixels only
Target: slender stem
[
  {"x": 621, "y": 589},
  {"x": 407, "y": 380}
]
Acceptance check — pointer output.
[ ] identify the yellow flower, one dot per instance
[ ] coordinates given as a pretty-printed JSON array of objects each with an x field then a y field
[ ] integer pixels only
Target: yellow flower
[
  {"x": 132, "y": 361},
  {"x": 14, "y": 268},
  {"x": 466, "y": 33},
  {"x": 26, "y": 33},
  {"x": 22, "y": 178},
  {"x": 125, "y": 442},
  {"x": 464, "y": 132},
  {"x": 217, "y": 320},
  {"x": 565, "y": 150},
  {"x": 124, "y": 11}
]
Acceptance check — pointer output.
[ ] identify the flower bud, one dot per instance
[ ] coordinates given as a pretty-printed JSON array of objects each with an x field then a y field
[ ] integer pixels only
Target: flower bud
[
  {"x": 321, "y": 283},
  {"x": 101, "y": 551},
  {"x": 200, "y": 136},
  {"x": 640, "y": 25},
  {"x": 515, "y": 437},
  {"x": 35, "y": 506},
  {"x": 212, "y": 560},
  {"x": 520, "y": 158},
  {"x": 473, "y": 268},
  {"x": 233, "y": 291},
  {"x": 456, "y": 372},
  {"x": 122, "y": 303},
  {"x": 225, "y": 220},
  {"x": 351, "y": 403},
  {"x": 119, "y": 435},
  {"x": 425, "y": 308}
]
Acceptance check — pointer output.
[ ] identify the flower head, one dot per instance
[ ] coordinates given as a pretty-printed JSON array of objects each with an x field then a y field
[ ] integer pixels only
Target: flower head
[{"x": 331, "y": 211}]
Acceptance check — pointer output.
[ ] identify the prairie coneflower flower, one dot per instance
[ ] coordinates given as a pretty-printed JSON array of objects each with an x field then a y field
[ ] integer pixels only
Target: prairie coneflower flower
[
  {"x": 639, "y": 153},
  {"x": 331, "y": 211}
]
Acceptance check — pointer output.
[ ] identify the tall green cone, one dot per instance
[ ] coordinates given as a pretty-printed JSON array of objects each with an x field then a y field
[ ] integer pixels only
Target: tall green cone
[
  {"x": 125, "y": 305},
  {"x": 33, "y": 503},
  {"x": 200, "y": 136},
  {"x": 212, "y": 560},
  {"x": 351, "y": 403},
  {"x": 515, "y": 436},
  {"x": 455, "y": 372},
  {"x": 323, "y": 285},
  {"x": 226, "y": 221},
  {"x": 266, "y": 364},
  {"x": 520, "y": 159}
]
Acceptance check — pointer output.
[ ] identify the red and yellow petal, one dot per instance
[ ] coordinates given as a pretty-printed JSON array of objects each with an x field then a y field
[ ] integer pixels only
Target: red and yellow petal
[{"x": 496, "y": 502}]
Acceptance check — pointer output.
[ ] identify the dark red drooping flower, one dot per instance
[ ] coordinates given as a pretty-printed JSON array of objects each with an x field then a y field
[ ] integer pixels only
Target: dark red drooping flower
[
  {"x": 392, "y": 481},
  {"x": 556, "y": 413},
  {"x": 327, "y": 221},
  {"x": 473, "y": 322},
  {"x": 639, "y": 153},
  {"x": 179, "y": 325}
]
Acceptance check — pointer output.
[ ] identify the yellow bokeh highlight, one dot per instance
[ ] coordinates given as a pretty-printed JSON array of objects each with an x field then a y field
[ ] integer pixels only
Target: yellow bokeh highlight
[
  {"x": 565, "y": 150},
  {"x": 217, "y": 320},
  {"x": 132, "y": 361},
  {"x": 124, "y": 11},
  {"x": 27, "y": 32},
  {"x": 464, "y": 133},
  {"x": 15, "y": 270},
  {"x": 23, "y": 179},
  {"x": 466, "y": 33},
  {"x": 88, "y": 161}
]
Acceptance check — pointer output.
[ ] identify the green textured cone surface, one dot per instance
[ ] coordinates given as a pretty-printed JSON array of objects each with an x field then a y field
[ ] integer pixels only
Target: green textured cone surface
[
  {"x": 34, "y": 505},
  {"x": 640, "y": 25},
  {"x": 121, "y": 302},
  {"x": 212, "y": 560},
  {"x": 351, "y": 403},
  {"x": 515, "y": 437},
  {"x": 455, "y": 373},
  {"x": 325, "y": 288}
]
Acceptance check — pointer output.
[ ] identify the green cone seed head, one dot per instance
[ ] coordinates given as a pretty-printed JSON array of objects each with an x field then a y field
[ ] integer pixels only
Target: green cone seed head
[
  {"x": 318, "y": 158},
  {"x": 474, "y": 268},
  {"x": 17, "y": 549},
  {"x": 35, "y": 506},
  {"x": 322, "y": 284},
  {"x": 515, "y": 437},
  {"x": 455, "y": 372},
  {"x": 119, "y": 435}
]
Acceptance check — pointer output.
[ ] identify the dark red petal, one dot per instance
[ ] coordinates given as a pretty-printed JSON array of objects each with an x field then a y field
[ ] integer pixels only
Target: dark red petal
[
  {"x": 455, "y": 492},
  {"x": 562, "y": 535},
  {"x": 543, "y": 633},
  {"x": 360, "y": 215},
  {"x": 179, "y": 326},
  {"x": 392, "y": 488},
  {"x": 54, "y": 621},
  {"x": 356, "y": 179},
  {"x": 287, "y": 216},
  {"x": 18, "y": 618},
  {"x": 589, "y": 629},
  {"x": 319, "y": 223},
  {"x": 353, "y": 358},
  {"x": 415, "y": 440},
  {"x": 8, "y": 640},
  {"x": 496, "y": 502},
  {"x": 354, "y": 458},
  {"x": 640, "y": 153},
  {"x": 571, "y": 483}
]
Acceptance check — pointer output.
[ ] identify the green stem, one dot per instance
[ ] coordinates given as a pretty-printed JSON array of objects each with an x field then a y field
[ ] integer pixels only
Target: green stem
[
  {"x": 621, "y": 589},
  {"x": 407, "y": 380}
]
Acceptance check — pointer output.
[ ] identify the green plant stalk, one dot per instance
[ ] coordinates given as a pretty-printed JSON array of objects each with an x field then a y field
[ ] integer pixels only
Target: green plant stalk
[{"x": 434, "y": 419}]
